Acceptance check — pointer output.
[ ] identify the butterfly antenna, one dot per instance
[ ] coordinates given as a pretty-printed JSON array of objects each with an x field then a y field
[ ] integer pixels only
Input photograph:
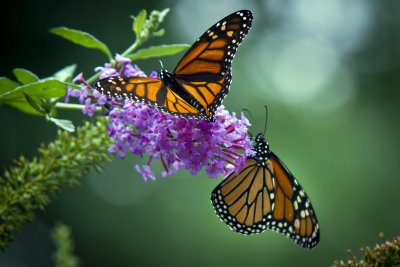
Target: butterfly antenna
[
  {"x": 252, "y": 118},
  {"x": 250, "y": 135},
  {"x": 266, "y": 119},
  {"x": 162, "y": 66}
]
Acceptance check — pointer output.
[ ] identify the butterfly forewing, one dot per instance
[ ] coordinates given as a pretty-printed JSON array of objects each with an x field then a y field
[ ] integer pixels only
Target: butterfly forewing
[
  {"x": 265, "y": 195},
  {"x": 210, "y": 57},
  {"x": 293, "y": 212},
  {"x": 200, "y": 81}
]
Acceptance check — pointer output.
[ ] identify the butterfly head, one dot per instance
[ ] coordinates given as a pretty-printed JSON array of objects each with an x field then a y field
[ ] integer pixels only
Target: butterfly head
[{"x": 164, "y": 74}]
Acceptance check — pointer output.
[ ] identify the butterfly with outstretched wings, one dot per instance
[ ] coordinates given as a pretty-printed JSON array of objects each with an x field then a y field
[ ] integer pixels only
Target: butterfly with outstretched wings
[
  {"x": 266, "y": 195},
  {"x": 200, "y": 81}
]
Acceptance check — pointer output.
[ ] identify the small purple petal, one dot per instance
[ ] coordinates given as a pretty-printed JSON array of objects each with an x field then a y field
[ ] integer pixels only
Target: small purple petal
[
  {"x": 78, "y": 78},
  {"x": 89, "y": 108},
  {"x": 153, "y": 74},
  {"x": 120, "y": 58},
  {"x": 146, "y": 172},
  {"x": 67, "y": 94},
  {"x": 133, "y": 70},
  {"x": 106, "y": 71}
]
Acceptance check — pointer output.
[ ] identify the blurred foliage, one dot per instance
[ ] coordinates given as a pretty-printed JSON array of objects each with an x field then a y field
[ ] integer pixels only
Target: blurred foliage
[
  {"x": 63, "y": 256},
  {"x": 30, "y": 185},
  {"x": 385, "y": 254}
]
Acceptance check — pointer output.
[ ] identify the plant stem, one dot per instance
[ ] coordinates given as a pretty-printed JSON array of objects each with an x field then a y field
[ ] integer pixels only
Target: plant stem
[
  {"x": 135, "y": 45},
  {"x": 93, "y": 78},
  {"x": 130, "y": 49},
  {"x": 62, "y": 105}
]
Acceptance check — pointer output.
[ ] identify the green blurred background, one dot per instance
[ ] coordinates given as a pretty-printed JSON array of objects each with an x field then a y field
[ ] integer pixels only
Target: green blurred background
[{"x": 329, "y": 72}]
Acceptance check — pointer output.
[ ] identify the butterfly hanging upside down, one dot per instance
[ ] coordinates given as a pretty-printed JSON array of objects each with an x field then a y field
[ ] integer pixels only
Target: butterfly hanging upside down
[
  {"x": 200, "y": 81},
  {"x": 266, "y": 195}
]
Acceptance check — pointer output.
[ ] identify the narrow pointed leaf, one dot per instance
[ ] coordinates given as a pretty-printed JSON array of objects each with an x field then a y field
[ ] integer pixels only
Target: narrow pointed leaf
[
  {"x": 139, "y": 22},
  {"x": 25, "y": 76},
  {"x": 7, "y": 85},
  {"x": 81, "y": 38},
  {"x": 63, "y": 124},
  {"x": 158, "y": 51},
  {"x": 65, "y": 74},
  {"x": 45, "y": 89},
  {"x": 163, "y": 14}
]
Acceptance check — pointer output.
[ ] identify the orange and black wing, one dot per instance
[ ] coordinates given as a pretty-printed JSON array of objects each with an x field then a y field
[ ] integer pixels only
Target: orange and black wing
[
  {"x": 293, "y": 214},
  {"x": 205, "y": 69},
  {"x": 147, "y": 90},
  {"x": 264, "y": 197},
  {"x": 245, "y": 200}
]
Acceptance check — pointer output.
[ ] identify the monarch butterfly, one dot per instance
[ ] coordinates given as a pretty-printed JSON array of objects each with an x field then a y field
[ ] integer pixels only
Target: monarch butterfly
[
  {"x": 200, "y": 81},
  {"x": 266, "y": 195}
]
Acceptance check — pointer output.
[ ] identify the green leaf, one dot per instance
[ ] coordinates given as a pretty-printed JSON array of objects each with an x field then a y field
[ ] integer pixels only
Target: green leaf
[
  {"x": 44, "y": 89},
  {"x": 158, "y": 51},
  {"x": 72, "y": 85},
  {"x": 34, "y": 103},
  {"x": 163, "y": 14},
  {"x": 63, "y": 124},
  {"x": 81, "y": 38},
  {"x": 7, "y": 85},
  {"x": 139, "y": 22},
  {"x": 65, "y": 74},
  {"x": 159, "y": 33},
  {"x": 25, "y": 76},
  {"x": 22, "y": 105}
]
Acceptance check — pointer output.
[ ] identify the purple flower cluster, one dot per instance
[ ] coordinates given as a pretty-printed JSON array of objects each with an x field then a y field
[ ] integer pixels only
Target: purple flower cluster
[{"x": 177, "y": 143}]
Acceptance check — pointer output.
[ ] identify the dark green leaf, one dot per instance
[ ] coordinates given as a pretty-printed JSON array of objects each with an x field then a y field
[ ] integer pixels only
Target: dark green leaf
[
  {"x": 44, "y": 89},
  {"x": 34, "y": 103},
  {"x": 7, "y": 85},
  {"x": 65, "y": 74},
  {"x": 22, "y": 105},
  {"x": 158, "y": 51},
  {"x": 139, "y": 22},
  {"x": 25, "y": 76},
  {"x": 63, "y": 124},
  {"x": 81, "y": 38}
]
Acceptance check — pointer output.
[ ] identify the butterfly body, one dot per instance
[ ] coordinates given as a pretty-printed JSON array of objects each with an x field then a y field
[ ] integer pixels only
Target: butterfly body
[
  {"x": 262, "y": 150},
  {"x": 171, "y": 82},
  {"x": 201, "y": 79},
  {"x": 266, "y": 195}
]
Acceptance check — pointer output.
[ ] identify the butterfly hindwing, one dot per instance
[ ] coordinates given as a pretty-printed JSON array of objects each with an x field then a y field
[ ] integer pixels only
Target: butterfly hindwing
[
  {"x": 209, "y": 94},
  {"x": 140, "y": 89},
  {"x": 266, "y": 195},
  {"x": 150, "y": 91},
  {"x": 243, "y": 200}
]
